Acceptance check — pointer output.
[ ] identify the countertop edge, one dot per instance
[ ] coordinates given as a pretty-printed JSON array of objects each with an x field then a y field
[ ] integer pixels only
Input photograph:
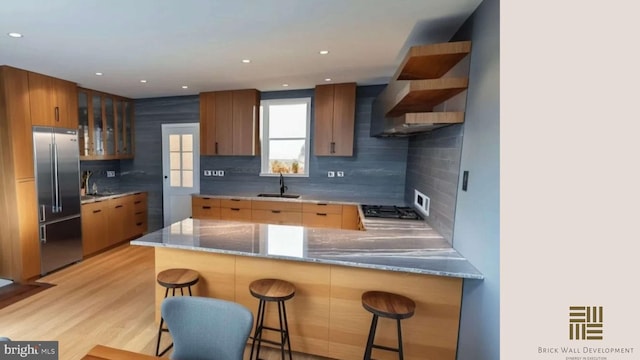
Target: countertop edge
[{"x": 109, "y": 197}]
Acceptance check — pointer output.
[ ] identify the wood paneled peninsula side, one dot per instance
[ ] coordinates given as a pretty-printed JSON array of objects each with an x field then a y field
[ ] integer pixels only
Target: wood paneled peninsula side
[{"x": 330, "y": 268}]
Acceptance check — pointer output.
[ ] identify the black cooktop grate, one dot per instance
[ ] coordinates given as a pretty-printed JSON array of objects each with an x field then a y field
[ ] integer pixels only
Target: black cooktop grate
[{"x": 390, "y": 212}]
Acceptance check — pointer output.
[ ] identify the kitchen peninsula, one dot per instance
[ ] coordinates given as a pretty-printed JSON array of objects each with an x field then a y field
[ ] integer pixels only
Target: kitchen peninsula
[{"x": 330, "y": 268}]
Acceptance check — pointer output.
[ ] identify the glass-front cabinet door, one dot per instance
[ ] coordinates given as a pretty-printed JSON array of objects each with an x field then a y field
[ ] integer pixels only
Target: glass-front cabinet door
[{"x": 104, "y": 130}]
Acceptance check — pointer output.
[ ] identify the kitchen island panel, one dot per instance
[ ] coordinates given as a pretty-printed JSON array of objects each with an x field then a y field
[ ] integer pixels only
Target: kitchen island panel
[
  {"x": 217, "y": 273},
  {"x": 431, "y": 333},
  {"x": 307, "y": 311}
]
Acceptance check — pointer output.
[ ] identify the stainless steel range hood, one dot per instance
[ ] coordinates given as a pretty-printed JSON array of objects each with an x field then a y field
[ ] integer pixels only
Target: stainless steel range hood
[{"x": 415, "y": 100}]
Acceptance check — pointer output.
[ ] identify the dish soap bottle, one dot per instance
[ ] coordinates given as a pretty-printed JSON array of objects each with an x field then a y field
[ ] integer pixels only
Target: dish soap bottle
[{"x": 94, "y": 188}]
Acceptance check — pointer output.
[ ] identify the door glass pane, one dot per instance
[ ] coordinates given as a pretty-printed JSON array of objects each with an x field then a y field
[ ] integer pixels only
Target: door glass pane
[
  {"x": 120, "y": 127},
  {"x": 83, "y": 123},
  {"x": 96, "y": 103},
  {"x": 174, "y": 161},
  {"x": 187, "y": 161},
  {"x": 175, "y": 178},
  {"x": 187, "y": 142},
  {"x": 187, "y": 178},
  {"x": 128, "y": 122},
  {"x": 110, "y": 130},
  {"x": 174, "y": 142}
]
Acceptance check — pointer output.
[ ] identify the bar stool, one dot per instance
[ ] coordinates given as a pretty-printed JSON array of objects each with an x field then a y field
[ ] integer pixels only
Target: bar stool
[
  {"x": 267, "y": 290},
  {"x": 174, "y": 279},
  {"x": 388, "y": 305}
]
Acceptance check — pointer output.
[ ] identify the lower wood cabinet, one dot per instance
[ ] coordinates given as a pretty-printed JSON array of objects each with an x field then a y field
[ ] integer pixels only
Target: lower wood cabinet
[
  {"x": 110, "y": 222},
  {"x": 335, "y": 216}
]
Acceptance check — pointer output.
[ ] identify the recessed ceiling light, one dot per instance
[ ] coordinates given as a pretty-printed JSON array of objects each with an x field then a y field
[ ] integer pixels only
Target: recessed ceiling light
[
  {"x": 285, "y": 85},
  {"x": 327, "y": 79},
  {"x": 324, "y": 52},
  {"x": 143, "y": 81},
  {"x": 185, "y": 87},
  {"x": 15, "y": 35},
  {"x": 99, "y": 74},
  {"x": 246, "y": 61}
]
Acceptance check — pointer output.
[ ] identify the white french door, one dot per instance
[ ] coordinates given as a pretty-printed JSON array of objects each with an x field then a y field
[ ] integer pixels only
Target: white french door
[{"x": 180, "y": 168}]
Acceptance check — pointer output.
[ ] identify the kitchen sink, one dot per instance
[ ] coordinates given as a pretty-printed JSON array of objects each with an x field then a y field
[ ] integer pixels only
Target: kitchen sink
[{"x": 287, "y": 196}]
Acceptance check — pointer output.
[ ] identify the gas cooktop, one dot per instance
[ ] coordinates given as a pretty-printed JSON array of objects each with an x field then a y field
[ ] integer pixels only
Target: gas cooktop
[{"x": 390, "y": 212}]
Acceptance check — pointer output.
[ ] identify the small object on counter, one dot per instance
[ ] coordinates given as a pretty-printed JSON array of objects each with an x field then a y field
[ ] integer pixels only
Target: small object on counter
[{"x": 94, "y": 188}]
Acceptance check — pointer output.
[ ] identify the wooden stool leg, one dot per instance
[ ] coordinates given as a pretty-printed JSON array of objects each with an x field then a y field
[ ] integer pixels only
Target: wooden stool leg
[
  {"x": 372, "y": 334},
  {"x": 400, "y": 340}
]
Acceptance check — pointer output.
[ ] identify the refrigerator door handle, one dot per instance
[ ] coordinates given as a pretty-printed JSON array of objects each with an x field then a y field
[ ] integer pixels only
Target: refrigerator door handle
[
  {"x": 56, "y": 182},
  {"x": 43, "y": 213},
  {"x": 43, "y": 234}
]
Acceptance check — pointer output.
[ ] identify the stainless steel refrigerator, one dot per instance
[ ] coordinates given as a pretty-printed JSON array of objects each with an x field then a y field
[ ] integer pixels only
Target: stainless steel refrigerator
[{"x": 57, "y": 165}]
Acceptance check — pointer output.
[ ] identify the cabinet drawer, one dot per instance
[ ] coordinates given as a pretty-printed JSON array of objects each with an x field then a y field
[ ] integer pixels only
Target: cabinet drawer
[
  {"x": 276, "y": 217},
  {"x": 351, "y": 218},
  {"x": 205, "y": 212},
  {"x": 323, "y": 220},
  {"x": 205, "y": 201},
  {"x": 235, "y": 214},
  {"x": 277, "y": 205},
  {"x": 140, "y": 201},
  {"x": 322, "y": 208},
  {"x": 235, "y": 203}
]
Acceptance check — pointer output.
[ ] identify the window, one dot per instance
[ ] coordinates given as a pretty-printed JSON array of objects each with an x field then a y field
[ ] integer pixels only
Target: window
[{"x": 285, "y": 136}]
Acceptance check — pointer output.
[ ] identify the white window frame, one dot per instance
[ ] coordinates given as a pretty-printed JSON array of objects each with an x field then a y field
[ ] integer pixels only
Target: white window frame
[{"x": 264, "y": 135}]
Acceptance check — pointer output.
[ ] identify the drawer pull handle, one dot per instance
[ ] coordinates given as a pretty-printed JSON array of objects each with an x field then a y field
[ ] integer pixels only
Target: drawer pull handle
[
  {"x": 119, "y": 206},
  {"x": 138, "y": 224},
  {"x": 206, "y": 198},
  {"x": 206, "y": 207},
  {"x": 96, "y": 211},
  {"x": 235, "y": 209},
  {"x": 275, "y": 211},
  {"x": 138, "y": 202},
  {"x": 139, "y": 213},
  {"x": 321, "y": 214},
  {"x": 235, "y": 199},
  {"x": 321, "y": 204}
]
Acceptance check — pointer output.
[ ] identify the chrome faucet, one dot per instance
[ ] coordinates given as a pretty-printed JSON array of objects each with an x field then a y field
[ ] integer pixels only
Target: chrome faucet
[{"x": 282, "y": 187}]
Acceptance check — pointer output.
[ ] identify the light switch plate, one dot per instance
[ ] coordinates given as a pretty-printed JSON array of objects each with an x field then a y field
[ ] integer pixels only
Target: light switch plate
[
  {"x": 207, "y": 173},
  {"x": 340, "y": 173},
  {"x": 220, "y": 172},
  {"x": 111, "y": 173},
  {"x": 331, "y": 174}
]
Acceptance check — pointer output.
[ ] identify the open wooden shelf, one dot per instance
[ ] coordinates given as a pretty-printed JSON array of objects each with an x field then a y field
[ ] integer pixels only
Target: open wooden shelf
[
  {"x": 431, "y": 61},
  {"x": 422, "y": 82}
]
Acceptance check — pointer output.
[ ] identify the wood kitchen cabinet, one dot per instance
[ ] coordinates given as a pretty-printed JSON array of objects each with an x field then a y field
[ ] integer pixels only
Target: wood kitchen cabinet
[
  {"x": 334, "y": 119},
  {"x": 105, "y": 126},
  {"x": 95, "y": 227},
  {"x": 235, "y": 209},
  {"x": 229, "y": 123},
  {"x": 322, "y": 215},
  {"x": 276, "y": 212},
  {"x": 139, "y": 225},
  {"x": 53, "y": 102},
  {"x": 205, "y": 208},
  {"x": 119, "y": 218}
]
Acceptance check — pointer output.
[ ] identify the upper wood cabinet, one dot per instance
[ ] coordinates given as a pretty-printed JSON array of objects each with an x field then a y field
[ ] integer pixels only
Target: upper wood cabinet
[
  {"x": 335, "y": 107},
  {"x": 53, "y": 102},
  {"x": 105, "y": 126},
  {"x": 229, "y": 123}
]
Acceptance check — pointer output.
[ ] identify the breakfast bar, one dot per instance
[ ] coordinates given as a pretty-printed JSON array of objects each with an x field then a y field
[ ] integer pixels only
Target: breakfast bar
[{"x": 330, "y": 269}]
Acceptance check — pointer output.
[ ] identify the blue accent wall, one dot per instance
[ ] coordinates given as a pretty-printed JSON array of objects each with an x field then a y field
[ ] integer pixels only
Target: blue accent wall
[
  {"x": 476, "y": 233},
  {"x": 376, "y": 172}
]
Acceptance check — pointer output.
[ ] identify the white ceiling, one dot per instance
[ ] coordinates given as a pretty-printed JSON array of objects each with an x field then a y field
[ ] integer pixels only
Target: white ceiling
[{"x": 200, "y": 43}]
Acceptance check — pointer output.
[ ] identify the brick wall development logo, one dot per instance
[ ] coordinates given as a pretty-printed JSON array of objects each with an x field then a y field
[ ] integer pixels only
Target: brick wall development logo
[{"x": 585, "y": 323}]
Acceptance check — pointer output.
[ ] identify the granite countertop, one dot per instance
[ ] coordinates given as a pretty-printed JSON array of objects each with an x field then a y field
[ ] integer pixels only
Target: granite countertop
[
  {"x": 302, "y": 198},
  {"x": 392, "y": 245},
  {"x": 86, "y": 199}
]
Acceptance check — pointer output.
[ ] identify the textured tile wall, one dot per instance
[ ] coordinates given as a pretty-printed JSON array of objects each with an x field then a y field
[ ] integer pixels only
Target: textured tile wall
[
  {"x": 99, "y": 174},
  {"x": 376, "y": 171},
  {"x": 433, "y": 166}
]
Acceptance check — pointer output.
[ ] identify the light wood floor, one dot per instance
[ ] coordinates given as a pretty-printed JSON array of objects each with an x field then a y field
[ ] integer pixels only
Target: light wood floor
[{"x": 107, "y": 299}]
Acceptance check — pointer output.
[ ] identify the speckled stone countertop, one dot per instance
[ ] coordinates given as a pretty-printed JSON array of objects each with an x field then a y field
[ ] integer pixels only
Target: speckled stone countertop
[
  {"x": 392, "y": 245},
  {"x": 85, "y": 199}
]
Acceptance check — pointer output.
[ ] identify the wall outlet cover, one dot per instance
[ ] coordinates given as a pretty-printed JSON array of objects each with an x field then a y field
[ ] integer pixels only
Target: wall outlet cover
[
  {"x": 111, "y": 173},
  {"x": 421, "y": 202},
  {"x": 340, "y": 173},
  {"x": 207, "y": 173},
  {"x": 220, "y": 172},
  {"x": 331, "y": 174}
]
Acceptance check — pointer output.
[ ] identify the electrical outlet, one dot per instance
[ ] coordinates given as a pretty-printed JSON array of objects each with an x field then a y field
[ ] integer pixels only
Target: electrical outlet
[
  {"x": 220, "y": 172},
  {"x": 111, "y": 173},
  {"x": 340, "y": 173},
  {"x": 207, "y": 173},
  {"x": 421, "y": 202},
  {"x": 331, "y": 174}
]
